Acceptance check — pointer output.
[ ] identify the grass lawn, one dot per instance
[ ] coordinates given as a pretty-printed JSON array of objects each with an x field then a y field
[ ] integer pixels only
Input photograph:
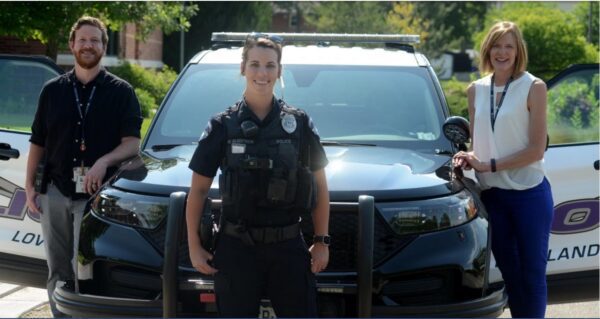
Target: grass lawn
[{"x": 145, "y": 126}]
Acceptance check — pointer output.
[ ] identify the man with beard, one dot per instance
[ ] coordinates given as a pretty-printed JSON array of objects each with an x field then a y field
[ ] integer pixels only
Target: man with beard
[{"x": 87, "y": 122}]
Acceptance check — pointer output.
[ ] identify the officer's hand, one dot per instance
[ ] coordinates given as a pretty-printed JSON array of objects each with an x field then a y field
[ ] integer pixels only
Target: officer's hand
[
  {"x": 200, "y": 258},
  {"x": 93, "y": 178},
  {"x": 320, "y": 257},
  {"x": 32, "y": 196}
]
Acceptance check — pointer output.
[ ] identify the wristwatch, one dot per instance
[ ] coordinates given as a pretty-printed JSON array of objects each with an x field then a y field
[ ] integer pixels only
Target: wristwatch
[{"x": 322, "y": 239}]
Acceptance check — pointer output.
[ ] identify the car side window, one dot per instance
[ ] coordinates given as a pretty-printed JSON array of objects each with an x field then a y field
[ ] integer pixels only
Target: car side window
[
  {"x": 573, "y": 108},
  {"x": 20, "y": 86}
]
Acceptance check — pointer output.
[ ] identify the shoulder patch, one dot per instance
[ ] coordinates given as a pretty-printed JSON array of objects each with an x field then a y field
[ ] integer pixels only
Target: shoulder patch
[
  {"x": 312, "y": 126},
  {"x": 207, "y": 131}
]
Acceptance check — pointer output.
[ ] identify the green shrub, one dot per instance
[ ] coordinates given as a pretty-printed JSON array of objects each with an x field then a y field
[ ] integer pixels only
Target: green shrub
[
  {"x": 573, "y": 103},
  {"x": 456, "y": 95},
  {"x": 147, "y": 102},
  {"x": 573, "y": 112},
  {"x": 150, "y": 85}
]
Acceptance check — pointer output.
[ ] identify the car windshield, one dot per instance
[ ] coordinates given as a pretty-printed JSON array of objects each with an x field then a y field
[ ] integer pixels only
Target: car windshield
[{"x": 386, "y": 106}]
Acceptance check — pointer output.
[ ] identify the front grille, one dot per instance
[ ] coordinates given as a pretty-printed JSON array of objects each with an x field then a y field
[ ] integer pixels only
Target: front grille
[
  {"x": 433, "y": 287},
  {"x": 343, "y": 228}
]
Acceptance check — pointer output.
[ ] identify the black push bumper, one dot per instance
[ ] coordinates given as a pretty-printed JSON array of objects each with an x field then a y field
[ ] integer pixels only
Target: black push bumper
[{"x": 83, "y": 305}]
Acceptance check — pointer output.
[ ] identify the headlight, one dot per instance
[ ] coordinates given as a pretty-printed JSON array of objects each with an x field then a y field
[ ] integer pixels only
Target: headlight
[
  {"x": 130, "y": 209},
  {"x": 429, "y": 215}
]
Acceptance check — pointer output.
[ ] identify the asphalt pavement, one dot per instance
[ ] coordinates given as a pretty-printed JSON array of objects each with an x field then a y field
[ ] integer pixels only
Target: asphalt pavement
[{"x": 19, "y": 301}]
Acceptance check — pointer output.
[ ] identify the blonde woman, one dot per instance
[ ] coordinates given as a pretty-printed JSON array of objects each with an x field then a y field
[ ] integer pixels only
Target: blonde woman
[{"x": 507, "y": 111}]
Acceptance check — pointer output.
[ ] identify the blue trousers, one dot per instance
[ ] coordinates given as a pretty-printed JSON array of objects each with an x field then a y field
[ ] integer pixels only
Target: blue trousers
[{"x": 520, "y": 222}]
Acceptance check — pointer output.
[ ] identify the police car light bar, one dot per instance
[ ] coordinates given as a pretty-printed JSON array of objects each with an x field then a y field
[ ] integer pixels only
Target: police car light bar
[{"x": 321, "y": 37}]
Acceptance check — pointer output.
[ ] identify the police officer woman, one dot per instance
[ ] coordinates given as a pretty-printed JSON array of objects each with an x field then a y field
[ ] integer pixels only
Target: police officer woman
[{"x": 272, "y": 167}]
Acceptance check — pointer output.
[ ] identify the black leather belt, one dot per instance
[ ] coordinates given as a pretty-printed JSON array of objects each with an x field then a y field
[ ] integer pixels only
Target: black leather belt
[{"x": 261, "y": 235}]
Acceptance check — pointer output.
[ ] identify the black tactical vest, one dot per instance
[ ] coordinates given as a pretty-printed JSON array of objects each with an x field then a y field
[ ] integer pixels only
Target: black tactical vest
[{"x": 264, "y": 181}]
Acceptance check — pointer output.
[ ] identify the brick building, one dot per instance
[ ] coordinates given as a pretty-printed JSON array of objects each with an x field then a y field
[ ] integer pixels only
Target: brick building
[{"x": 122, "y": 45}]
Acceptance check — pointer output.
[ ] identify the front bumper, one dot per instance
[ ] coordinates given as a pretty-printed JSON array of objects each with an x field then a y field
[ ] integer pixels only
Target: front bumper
[
  {"x": 489, "y": 306},
  {"x": 84, "y": 305}
]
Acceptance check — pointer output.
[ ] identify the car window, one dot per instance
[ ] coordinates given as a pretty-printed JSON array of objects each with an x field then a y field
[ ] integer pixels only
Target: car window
[
  {"x": 573, "y": 108},
  {"x": 381, "y": 105},
  {"x": 20, "y": 86},
  {"x": 365, "y": 103}
]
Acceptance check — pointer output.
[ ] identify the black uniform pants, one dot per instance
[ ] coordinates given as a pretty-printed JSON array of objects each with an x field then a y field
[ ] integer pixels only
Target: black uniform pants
[{"x": 279, "y": 272}]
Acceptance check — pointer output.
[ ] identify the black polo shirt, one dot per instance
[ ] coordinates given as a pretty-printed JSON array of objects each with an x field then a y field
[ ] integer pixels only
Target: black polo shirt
[
  {"x": 212, "y": 145},
  {"x": 113, "y": 113}
]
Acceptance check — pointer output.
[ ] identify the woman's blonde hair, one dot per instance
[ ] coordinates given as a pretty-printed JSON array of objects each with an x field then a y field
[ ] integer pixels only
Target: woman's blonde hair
[{"x": 496, "y": 32}]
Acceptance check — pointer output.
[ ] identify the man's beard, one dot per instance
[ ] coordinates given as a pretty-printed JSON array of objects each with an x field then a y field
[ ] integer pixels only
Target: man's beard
[{"x": 88, "y": 64}]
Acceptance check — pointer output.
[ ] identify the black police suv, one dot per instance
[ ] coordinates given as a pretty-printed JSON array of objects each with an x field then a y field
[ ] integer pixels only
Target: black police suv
[{"x": 409, "y": 238}]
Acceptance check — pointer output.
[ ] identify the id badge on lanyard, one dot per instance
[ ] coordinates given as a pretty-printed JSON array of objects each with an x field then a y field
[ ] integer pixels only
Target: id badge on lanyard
[{"x": 80, "y": 172}]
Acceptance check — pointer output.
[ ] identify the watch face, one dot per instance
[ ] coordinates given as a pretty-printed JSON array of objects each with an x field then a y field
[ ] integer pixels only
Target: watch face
[{"x": 323, "y": 239}]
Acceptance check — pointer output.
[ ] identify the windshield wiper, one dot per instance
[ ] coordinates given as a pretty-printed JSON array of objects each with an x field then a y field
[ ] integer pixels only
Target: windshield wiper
[
  {"x": 334, "y": 143},
  {"x": 164, "y": 147}
]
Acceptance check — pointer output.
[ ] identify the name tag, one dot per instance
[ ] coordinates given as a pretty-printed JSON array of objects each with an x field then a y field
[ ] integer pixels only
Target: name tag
[
  {"x": 238, "y": 148},
  {"x": 78, "y": 176}
]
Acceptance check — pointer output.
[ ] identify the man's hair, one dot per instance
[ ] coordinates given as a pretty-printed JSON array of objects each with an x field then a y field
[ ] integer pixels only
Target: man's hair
[
  {"x": 87, "y": 20},
  {"x": 496, "y": 32}
]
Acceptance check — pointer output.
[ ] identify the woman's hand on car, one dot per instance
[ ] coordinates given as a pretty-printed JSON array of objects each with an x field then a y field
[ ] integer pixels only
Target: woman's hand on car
[
  {"x": 200, "y": 259},
  {"x": 468, "y": 160}
]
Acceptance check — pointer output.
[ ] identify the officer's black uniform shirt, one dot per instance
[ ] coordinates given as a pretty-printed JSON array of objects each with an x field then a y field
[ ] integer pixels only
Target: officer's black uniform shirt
[
  {"x": 212, "y": 145},
  {"x": 114, "y": 113}
]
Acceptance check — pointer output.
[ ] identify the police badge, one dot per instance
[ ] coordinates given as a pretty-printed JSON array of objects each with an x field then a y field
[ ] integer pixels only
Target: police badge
[{"x": 288, "y": 122}]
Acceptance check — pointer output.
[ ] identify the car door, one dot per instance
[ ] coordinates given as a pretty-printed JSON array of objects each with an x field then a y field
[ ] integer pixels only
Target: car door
[
  {"x": 572, "y": 168},
  {"x": 21, "y": 80}
]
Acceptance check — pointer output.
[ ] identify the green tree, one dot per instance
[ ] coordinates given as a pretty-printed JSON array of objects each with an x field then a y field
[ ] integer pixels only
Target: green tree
[
  {"x": 50, "y": 22},
  {"x": 587, "y": 14},
  {"x": 449, "y": 25},
  {"x": 555, "y": 39},
  {"x": 242, "y": 16},
  {"x": 348, "y": 17},
  {"x": 402, "y": 19}
]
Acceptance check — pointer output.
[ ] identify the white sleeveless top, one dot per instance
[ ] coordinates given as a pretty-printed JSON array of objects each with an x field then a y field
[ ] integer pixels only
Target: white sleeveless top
[{"x": 511, "y": 134}]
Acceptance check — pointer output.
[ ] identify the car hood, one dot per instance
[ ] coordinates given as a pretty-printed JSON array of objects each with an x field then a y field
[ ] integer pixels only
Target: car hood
[{"x": 386, "y": 173}]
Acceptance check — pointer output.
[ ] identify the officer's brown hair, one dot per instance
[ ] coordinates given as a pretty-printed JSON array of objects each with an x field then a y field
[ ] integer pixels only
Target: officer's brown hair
[
  {"x": 496, "y": 32},
  {"x": 87, "y": 20},
  {"x": 261, "y": 42}
]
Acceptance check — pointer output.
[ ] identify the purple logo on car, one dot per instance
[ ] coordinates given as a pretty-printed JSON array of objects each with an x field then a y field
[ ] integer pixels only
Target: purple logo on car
[
  {"x": 17, "y": 206},
  {"x": 576, "y": 216}
]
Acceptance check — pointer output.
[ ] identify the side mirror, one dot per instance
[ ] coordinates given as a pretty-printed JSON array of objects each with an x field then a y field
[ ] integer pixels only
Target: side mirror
[{"x": 456, "y": 129}]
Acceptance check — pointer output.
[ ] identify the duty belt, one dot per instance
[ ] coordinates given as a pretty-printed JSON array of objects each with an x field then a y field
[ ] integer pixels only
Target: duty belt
[{"x": 261, "y": 235}]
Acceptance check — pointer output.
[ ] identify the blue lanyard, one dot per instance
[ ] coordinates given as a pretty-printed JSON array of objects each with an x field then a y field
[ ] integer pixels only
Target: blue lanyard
[
  {"x": 494, "y": 115},
  {"x": 82, "y": 115}
]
